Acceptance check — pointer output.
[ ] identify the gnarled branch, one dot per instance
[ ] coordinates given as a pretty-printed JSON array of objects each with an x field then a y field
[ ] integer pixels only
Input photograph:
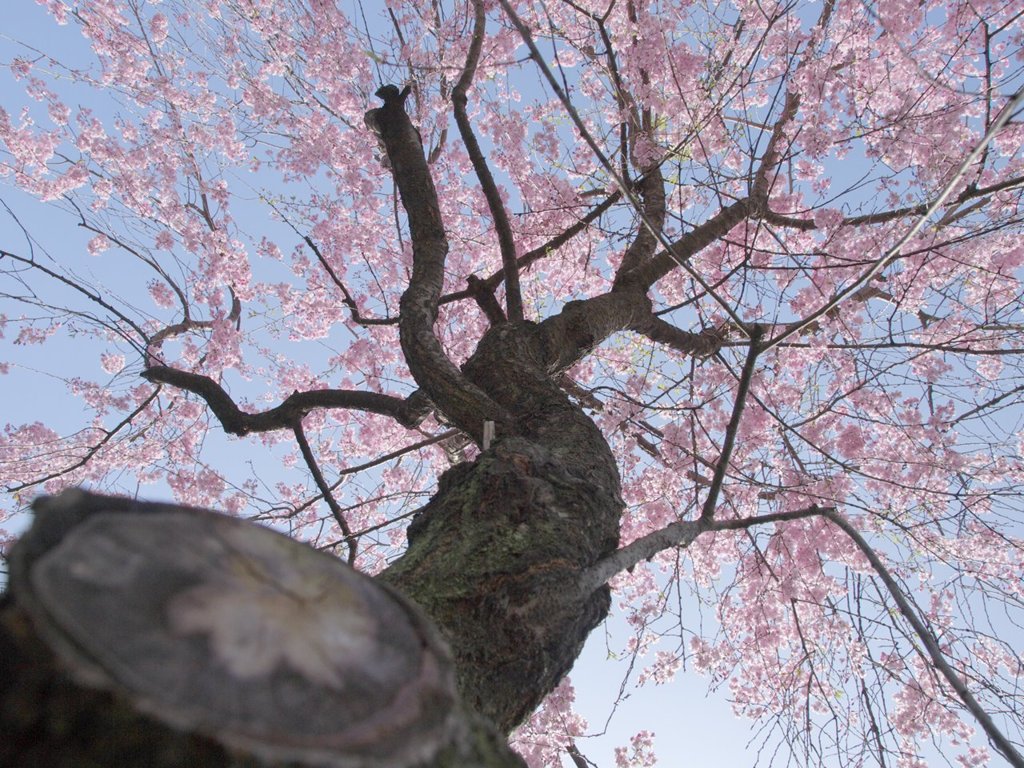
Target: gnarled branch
[
  {"x": 408, "y": 412},
  {"x": 701, "y": 344}
]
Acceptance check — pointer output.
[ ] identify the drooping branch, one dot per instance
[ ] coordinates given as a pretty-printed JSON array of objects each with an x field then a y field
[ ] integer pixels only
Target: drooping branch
[
  {"x": 108, "y": 435},
  {"x": 996, "y": 737},
  {"x": 463, "y": 403},
  {"x": 683, "y": 533},
  {"x": 408, "y": 412},
  {"x": 147, "y": 343},
  {"x": 506, "y": 243}
]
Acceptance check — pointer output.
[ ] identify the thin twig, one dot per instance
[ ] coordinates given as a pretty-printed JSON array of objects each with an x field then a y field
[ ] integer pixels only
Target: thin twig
[
  {"x": 549, "y": 247},
  {"x": 381, "y": 460},
  {"x": 347, "y": 297},
  {"x": 93, "y": 450},
  {"x": 741, "y": 206},
  {"x": 94, "y": 297},
  {"x": 884, "y": 260},
  {"x": 325, "y": 489}
]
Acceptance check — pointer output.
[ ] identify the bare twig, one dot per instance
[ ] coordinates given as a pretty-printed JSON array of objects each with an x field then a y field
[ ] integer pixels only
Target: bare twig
[
  {"x": 346, "y": 296},
  {"x": 971, "y": 192},
  {"x": 325, "y": 489},
  {"x": 383, "y": 459}
]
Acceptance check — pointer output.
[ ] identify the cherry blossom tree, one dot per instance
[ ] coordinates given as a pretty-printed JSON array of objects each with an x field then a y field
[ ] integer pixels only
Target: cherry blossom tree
[{"x": 710, "y": 310}]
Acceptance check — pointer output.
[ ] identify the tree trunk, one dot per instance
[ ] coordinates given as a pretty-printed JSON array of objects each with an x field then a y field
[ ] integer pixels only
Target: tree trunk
[{"x": 495, "y": 556}]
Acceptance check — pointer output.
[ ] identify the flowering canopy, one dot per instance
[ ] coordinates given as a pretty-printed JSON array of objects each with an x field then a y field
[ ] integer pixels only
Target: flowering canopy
[{"x": 822, "y": 203}]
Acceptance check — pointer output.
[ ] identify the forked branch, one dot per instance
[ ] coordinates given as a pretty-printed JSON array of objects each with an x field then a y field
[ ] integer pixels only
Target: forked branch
[
  {"x": 740, "y": 210},
  {"x": 465, "y": 404},
  {"x": 541, "y": 251}
]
